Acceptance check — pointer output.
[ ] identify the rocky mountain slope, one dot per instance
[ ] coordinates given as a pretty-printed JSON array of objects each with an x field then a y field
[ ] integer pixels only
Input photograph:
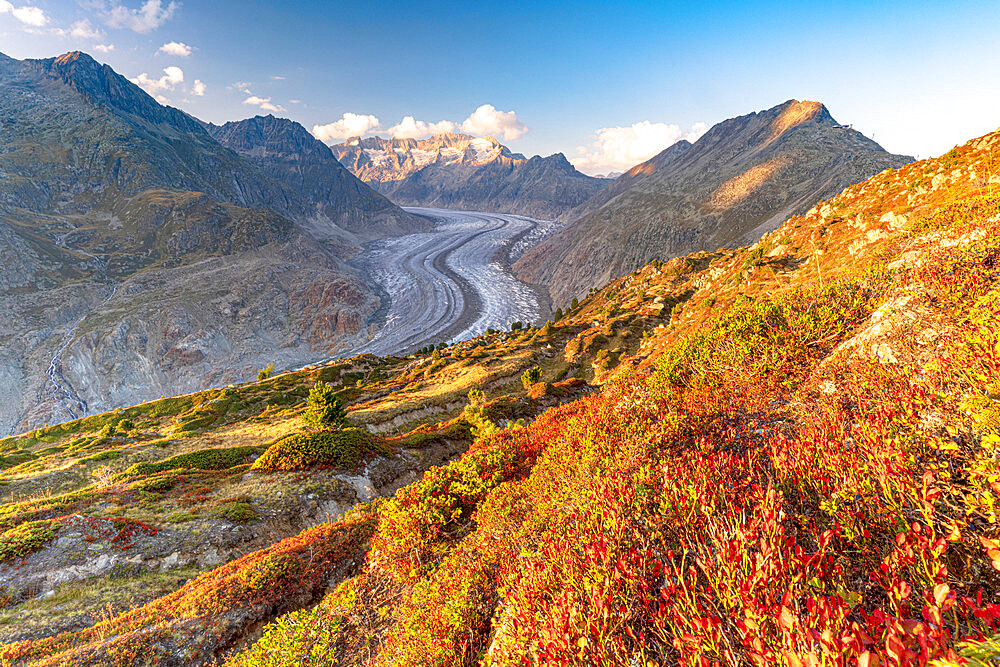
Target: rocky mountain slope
[
  {"x": 623, "y": 182},
  {"x": 738, "y": 181},
  {"x": 462, "y": 172},
  {"x": 290, "y": 155},
  {"x": 141, "y": 257},
  {"x": 383, "y": 162},
  {"x": 780, "y": 453}
]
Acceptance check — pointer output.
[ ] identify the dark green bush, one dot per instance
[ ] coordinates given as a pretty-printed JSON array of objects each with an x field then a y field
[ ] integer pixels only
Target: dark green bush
[
  {"x": 14, "y": 459},
  {"x": 203, "y": 459},
  {"x": 235, "y": 512},
  {"x": 108, "y": 455},
  {"x": 340, "y": 449},
  {"x": 155, "y": 484}
]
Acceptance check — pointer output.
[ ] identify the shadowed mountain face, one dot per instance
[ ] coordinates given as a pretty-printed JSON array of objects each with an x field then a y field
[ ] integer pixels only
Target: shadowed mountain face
[
  {"x": 738, "y": 181},
  {"x": 330, "y": 193},
  {"x": 463, "y": 172},
  {"x": 140, "y": 257}
]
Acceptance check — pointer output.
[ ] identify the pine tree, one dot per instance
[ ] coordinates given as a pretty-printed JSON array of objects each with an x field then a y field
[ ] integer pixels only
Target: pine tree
[{"x": 323, "y": 409}]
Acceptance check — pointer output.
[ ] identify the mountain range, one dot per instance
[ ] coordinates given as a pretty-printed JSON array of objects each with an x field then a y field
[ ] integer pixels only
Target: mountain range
[
  {"x": 738, "y": 181},
  {"x": 146, "y": 252},
  {"x": 463, "y": 172},
  {"x": 141, "y": 256}
]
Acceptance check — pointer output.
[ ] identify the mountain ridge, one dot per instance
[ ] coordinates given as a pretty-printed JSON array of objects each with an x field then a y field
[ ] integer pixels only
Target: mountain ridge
[
  {"x": 460, "y": 171},
  {"x": 737, "y": 181}
]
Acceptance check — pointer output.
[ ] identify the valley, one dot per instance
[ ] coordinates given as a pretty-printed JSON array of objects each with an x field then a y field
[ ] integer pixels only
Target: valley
[{"x": 451, "y": 283}]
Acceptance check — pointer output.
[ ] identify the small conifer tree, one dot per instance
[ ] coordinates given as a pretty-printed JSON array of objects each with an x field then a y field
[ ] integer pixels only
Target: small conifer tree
[
  {"x": 531, "y": 376},
  {"x": 323, "y": 409},
  {"x": 480, "y": 424}
]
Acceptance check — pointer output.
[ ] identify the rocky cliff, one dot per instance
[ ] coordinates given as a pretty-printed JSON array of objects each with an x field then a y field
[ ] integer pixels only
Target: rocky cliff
[
  {"x": 463, "y": 172},
  {"x": 738, "y": 181}
]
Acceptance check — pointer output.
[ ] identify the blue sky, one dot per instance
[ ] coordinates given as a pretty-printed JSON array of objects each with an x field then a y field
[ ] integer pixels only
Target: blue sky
[{"x": 608, "y": 84}]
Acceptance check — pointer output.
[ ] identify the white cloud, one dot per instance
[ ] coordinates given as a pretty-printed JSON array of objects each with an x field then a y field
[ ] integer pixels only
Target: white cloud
[
  {"x": 349, "y": 125},
  {"x": 198, "y": 88},
  {"x": 150, "y": 16},
  {"x": 83, "y": 30},
  {"x": 488, "y": 120},
  {"x": 179, "y": 49},
  {"x": 26, "y": 14},
  {"x": 32, "y": 16},
  {"x": 172, "y": 76},
  {"x": 409, "y": 128},
  {"x": 264, "y": 103},
  {"x": 277, "y": 77},
  {"x": 104, "y": 48},
  {"x": 621, "y": 148}
]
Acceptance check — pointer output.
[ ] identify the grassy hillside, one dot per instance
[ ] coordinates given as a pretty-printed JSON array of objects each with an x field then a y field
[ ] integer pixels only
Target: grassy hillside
[{"x": 783, "y": 454}]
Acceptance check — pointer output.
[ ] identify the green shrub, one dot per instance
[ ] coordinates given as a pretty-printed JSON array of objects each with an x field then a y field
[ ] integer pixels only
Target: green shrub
[
  {"x": 106, "y": 431},
  {"x": 476, "y": 397},
  {"x": 340, "y": 449},
  {"x": 531, "y": 376},
  {"x": 236, "y": 512},
  {"x": 270, "y": 572},
  {"x": 27, "y": 538},
  {"x": 202, "y": 459},
  {"x": 305, "y": 637},
  {"x": 265, "y": 372},
  {"x": 766, "y": 336},
  {"x": 108, "y": 455},
  {"x": 155, "y": 484},
  {"x": 475, "y": 414},
  {"x": 323, "y": 409},
  {"x": 125, "y": 425}
]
